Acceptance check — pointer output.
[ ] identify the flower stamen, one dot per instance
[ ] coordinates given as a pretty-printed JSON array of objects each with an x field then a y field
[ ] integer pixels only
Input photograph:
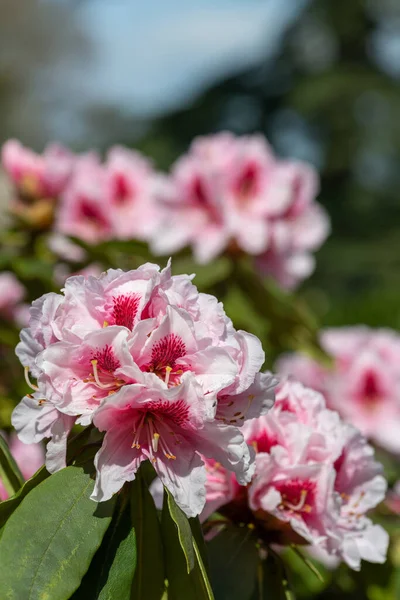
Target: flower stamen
[
  {"x": 103, "y": 386},
  {"x": 168, "y": 370},
  {"x": 28, "y": 381},
  {"x": 299, "y": 505}
]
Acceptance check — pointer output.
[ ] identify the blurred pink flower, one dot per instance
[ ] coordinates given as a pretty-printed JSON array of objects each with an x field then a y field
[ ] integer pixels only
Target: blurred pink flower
[
  {"x": 232, "y": 192},
  {"x": 154, "y": 363},
  {"x": 315, "y": 480},
  {"x": 129, "y": 189},
  {"x": 29, "y": 459},
  {"x": 83, "y": 211},
  {"x": 37, "y": 175},
  {"x": 364, "y": 382},
  {"x": 110, "y": 200},
  {"x": 11, "y": 294}
]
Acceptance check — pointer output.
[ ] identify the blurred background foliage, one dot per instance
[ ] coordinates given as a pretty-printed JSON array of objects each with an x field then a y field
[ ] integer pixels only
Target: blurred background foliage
[{"x": 322, "y": 83}]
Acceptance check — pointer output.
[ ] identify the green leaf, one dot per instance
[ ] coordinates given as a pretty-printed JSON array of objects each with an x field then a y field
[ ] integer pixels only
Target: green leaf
[
  {"x": 112, "y": 569},
  {"x": 184, "y": 530},
  {"x": 10, "y": 475},
  {"x": 234, "y": 559},
  {"x": 272, "y": 580},
  {"x": 198, "y": 540},
  {"x": 291, "y": 325},
  {"x": 148, "y": 583},
  {"x": 182, "y": 583},
  {"x": 309, "y": 564},
  {"x": 50, "y": 539},
  {"x": 8, "y": 506}
]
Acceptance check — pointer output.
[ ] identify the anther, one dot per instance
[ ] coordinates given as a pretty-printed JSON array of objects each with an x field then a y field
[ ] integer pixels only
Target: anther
[
  {"x": 167, "y": 374},
  {"x": 154, "y": 441}
]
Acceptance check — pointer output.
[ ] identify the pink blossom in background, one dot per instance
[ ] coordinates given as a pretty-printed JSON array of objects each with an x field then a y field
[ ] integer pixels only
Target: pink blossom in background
[
  {"x": 232, "y": 192},
  {"x": 62, "y": 271},
  {"x": 363, "y": 384},
  {"x": 315, "y": 480},
  {"x": 35, "y": 175},
  {"x": 83, "y": 211},
  {"x": 110, "y": 200},
  {"x": 129, "y": 189},
  {"x": 29, "y": 459},
  {"x": 11, "y": 294},
  {"x": 152, "y": 362},
  {"x": 65, "y": 249}
]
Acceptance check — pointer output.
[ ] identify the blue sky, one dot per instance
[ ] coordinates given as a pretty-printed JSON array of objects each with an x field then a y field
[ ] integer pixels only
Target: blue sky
[{"x": 150, "y": 56}]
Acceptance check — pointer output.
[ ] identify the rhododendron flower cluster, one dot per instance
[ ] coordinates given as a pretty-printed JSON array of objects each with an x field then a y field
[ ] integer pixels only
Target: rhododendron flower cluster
[
  {"x": 153, "y": 363},
  {"x": 91, "y": 200},
  {"x": 227, "y": 194},
  {"x": 364, "y": 382},
  {"x": 233, "y": 193},
  {"x": 315, "y": 480},
  {"x": 29, "y": 459}
]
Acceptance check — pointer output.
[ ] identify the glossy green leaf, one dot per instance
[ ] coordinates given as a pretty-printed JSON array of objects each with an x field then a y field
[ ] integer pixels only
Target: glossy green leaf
[
  {"x": 10, "y": 475},
  {"x": 182, "y": 583},
  {"x": 184, "y": 531},
  {"x": 198, "y": 541},
  {"x": 8, "y": 506},
  {"x": 148, "y": 583},
  {"x": 233, "y": 563},
  {"x": 112, "y": 569},
  {"x": 50, "y": 539}
]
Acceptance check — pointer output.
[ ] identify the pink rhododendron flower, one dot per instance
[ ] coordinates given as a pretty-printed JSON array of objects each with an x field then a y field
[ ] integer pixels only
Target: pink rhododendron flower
[
  {"x": 364, "y": 382},
  {"x": 232, "y": 192},
  {"x": 110, "y": 200},
  {"x": 152, "y": 362},
  {"x": 11, "y": 294},
  {"x": 35, "y": 175},
  {"x": 29, "y": 459},
  {"x": 129, "y": 189},
  {"x": 83, "y": 212},
  {"x": 315, "y": 480}
]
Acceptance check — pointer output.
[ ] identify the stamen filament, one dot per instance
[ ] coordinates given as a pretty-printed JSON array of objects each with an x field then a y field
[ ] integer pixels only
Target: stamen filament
[
  {"x": 135, "y": 443},
  {"x": 103, "y": 386},
  {"x": 300, "y": 504},
  {"x": 167, "y": 374},
  {"x": 28, "y": 381}
]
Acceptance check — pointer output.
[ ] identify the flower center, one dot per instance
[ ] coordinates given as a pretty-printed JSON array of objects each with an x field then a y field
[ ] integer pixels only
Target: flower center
[
  {"x": 297, "y": 496},
  {"x": 153, "y": 431},
  {"x": 371, "y": 393},
  {"x": 90, "y": 212},
  {"x": 247, "y": 183},
  {"x": 164, "y": 356},
  {"x": 124, "y": 310},
  {"x": 121, "y": 189},
  {"x": 104, "y": 364}
]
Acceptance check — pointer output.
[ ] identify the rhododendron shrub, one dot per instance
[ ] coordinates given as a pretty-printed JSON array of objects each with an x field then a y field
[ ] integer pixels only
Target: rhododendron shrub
[
  {"x": 146, "y": 396},
  {"x": 362, "y": 384},
  {"x": 315, "y": 481}
]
